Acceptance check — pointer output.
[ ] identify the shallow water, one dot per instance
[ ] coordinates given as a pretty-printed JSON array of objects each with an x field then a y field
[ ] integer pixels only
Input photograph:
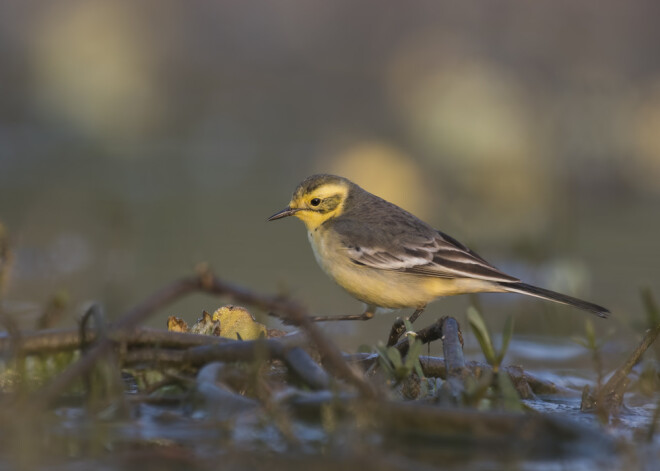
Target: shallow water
[{"x": 192, "y": 434}]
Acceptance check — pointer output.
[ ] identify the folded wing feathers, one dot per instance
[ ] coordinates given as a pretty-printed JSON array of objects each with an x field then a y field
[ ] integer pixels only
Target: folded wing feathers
[
  {"x": 440, "y": 256},
  {"x": 384, "y": 260}
]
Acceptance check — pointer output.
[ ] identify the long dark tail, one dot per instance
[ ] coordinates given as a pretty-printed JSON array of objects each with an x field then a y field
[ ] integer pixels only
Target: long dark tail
[{"x": 530, "y": 290}]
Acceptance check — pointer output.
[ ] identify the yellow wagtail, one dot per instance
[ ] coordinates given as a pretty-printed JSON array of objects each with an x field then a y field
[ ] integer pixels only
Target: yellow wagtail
[{"x": 386, "y": 257}]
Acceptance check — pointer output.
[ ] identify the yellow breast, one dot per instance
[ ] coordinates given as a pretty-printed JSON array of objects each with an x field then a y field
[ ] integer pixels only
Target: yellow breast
[{"x": 385, "y": 288}]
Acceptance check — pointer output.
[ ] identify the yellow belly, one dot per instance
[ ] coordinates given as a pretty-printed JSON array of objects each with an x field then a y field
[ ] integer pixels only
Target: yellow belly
[{"x": 387, "y": 288}]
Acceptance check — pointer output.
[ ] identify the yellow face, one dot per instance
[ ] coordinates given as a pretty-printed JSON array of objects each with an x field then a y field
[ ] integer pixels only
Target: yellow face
[{"x": 315, "y": 205}]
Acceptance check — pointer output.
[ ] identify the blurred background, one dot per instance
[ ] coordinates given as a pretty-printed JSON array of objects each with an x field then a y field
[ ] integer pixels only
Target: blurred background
[{"x": 139, "y": 138}]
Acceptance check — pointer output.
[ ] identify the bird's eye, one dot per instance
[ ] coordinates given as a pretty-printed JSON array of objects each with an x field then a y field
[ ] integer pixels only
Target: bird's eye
[{"x": 315, "y": 201}]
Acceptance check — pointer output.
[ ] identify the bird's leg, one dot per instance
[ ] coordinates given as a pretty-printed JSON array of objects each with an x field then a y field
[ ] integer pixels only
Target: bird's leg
[
  {"x": 365, "y": 316},
  {"x": 399, "y": 327},
  {"x": 415, "y": 315}
]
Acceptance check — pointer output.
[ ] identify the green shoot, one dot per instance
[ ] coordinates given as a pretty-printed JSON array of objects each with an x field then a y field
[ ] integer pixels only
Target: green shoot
[
  {"x": 494, "y": 358},
  {"x": 398, "y": 368},
  {"x": 591, "y": 343},
  {"x": 508, "y": 396}
]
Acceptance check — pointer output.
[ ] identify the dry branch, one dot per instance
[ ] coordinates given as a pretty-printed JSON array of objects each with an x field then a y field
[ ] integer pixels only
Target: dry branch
[
  {"x": 610, "y": 397},
  {"x": 206, "y": 282},
  {"x": 62, "y": 340},
  {"x": 287, "y": 349},
  {"x": 435, "y": 367},
  {"x": 452, "y": 347},
  {"x": 425, "y": 335}
]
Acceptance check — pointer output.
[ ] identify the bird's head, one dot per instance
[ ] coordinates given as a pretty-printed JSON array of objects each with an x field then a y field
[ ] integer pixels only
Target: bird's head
[{"x": 317, "y": 199}]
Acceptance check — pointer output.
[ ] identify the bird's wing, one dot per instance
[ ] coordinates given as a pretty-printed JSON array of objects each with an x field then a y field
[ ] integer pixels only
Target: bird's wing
[{"x": 416, "y": 249}]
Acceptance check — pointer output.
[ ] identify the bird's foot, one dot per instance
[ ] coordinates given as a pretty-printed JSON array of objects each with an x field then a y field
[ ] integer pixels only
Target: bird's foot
[{"x": 399, "y": 327}]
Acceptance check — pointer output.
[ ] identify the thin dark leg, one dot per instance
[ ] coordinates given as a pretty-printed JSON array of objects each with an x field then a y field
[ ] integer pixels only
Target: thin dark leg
[
  {"x": 415, "y": 315},
  {"x": 398, "y": 328},
  {"x": 365, "y": 316}
]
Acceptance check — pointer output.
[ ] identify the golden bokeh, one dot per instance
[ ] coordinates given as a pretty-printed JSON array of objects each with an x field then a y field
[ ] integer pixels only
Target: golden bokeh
[
  {"x": 472, "y": 121},
  {"x": 458, "y": 105},
  {"x": 91, "y": 67},
  {"x": 644, "y": 166}
]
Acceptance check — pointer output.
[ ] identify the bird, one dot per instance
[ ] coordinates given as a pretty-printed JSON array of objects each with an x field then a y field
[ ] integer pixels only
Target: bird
[{"x": 388, "y": 258}]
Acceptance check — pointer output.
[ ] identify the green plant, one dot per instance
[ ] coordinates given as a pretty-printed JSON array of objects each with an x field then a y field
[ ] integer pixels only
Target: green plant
[
  {"x": 397, "y": 367},
  {"x": 591, "y": 343},
  {"x": 500, "y": 381},
  {"x": 494, "y": 358}
]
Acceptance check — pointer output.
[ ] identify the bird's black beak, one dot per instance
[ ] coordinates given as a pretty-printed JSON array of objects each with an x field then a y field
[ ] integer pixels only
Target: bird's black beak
[{"x": 284, "y": 213}]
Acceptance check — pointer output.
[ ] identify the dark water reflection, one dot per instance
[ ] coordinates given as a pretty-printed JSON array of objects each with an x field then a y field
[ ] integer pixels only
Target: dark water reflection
[{"x": 189, "y": 435}]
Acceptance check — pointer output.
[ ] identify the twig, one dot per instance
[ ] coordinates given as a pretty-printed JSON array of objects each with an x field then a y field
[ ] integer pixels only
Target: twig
[
  {"x": 285, "y": 349},
  {"x": 452, "y": 347},
  {"x": 154, "y": 356},
  {"x": 611, "y": 394},
  {"x": 95, "y": 313},
  {"x": 435, "y": 367},
  {"x": 234, "y": 351},
  {"x": 399, "y": 327},
  {"x": 304, "y": 367},
  {"x": 207, "y": 282},
  {"x": 330, "y": 354},
  {"x": 62, "y": 340},
  {"x": 426, "y": 335},
  {"x": 220, "y": 400},
  {"x": 608, "y": 398},
  {"x": 136, "y": 315}
]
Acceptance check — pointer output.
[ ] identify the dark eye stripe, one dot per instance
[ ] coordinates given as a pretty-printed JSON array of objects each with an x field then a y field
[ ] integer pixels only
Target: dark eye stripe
[{"x": 329, "y": 204}]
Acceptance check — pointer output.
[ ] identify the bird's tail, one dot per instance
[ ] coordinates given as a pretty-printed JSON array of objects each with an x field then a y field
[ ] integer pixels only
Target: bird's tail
[{"x": 530, "y": 290}]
